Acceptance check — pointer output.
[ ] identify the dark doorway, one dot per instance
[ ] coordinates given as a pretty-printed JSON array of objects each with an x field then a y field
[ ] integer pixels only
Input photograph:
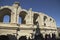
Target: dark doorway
[
  {"x": 23, "y": 38},
  {"x": 4, "y": 37}
]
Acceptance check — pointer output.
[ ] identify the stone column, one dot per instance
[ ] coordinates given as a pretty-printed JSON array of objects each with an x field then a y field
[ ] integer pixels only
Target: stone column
[
  {"x": 18, "y": 12},
  {"x": 42, "y": 20},
  {"x": 12, "y": 17},
  {"x": 15, "y": 10},
  {"x": 29, "y": 17}
]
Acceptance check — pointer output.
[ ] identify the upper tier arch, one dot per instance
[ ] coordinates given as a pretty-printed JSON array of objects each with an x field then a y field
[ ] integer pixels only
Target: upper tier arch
[{"x": 3, "y": 12}]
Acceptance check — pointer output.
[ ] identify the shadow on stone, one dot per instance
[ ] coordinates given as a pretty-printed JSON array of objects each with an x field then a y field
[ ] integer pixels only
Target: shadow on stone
[
  {"x": 4, "y": 37},
  {"x": 23, "y": 38}
]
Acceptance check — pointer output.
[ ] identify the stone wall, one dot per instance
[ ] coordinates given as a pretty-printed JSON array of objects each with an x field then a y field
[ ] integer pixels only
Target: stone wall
[{"x": 47, "y": 24}]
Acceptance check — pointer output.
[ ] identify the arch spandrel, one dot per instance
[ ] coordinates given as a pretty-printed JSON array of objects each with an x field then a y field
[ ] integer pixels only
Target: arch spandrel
[{"x": 9, "y": 7}]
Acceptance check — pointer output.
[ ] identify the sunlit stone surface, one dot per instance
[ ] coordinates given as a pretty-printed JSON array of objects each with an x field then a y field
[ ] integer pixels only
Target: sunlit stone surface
[{"x": 22, "y": 22}]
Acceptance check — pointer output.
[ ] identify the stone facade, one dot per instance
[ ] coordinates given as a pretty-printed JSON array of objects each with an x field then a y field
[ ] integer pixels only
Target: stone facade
[{"x": 47, "y": 24}]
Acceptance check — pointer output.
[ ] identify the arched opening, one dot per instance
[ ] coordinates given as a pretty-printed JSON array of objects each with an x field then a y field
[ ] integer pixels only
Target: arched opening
[
  {"x": 4, "y": 15},
  {"x": 50, "y": 19},
  {"x": 4, "y": 37},
  {"x": 23, "y": 38},
  {"x": 35, "y": 16},
  {"x": 45, "y": 24},
  {"x": 20, "y": 20},
  {"x": 22, "y": 16},
  {"x": 12, "y": 37},
  {"x": 59, "y": 34},
  {"x": 45, "y": 17},
  {"x": 6, "y": 19}
]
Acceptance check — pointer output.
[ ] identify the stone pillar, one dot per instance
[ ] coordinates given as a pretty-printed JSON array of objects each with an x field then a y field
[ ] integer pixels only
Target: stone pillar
[
  {"x": 17, "y": 18},
  {"x": 15, "y": 11},
  {"x": 56, "y": 32},
  {"x": 18, "y": 12},
  {"x": 29, "y": 17},
  {"x": 42, "y": 20},
  {"x": 49, "y": 22},
  {"x": 12, "y": 17}
]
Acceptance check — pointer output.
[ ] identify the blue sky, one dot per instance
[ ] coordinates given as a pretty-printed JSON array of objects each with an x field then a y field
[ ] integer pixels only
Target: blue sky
[{"x": 49, "y": 7}]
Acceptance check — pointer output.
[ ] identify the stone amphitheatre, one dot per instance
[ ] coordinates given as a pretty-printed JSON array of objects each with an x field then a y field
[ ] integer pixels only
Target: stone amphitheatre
[{"x": 30, "y": 21}]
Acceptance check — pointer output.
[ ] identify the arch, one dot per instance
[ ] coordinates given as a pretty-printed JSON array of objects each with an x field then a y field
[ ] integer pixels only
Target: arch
[
  {"x": 4, "y": 37},
  {"x": 35, "y": 16},
  {"x": 22, "y": 16},
  {"x": 12, "y": 37},
  {"x": 4, "y": 12},
  {"x": 45, "y": 24},
  {"x": 23, "y": 38},
  {"x": 50, "y": 19},
  {"x": 45, "y": 17}
]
